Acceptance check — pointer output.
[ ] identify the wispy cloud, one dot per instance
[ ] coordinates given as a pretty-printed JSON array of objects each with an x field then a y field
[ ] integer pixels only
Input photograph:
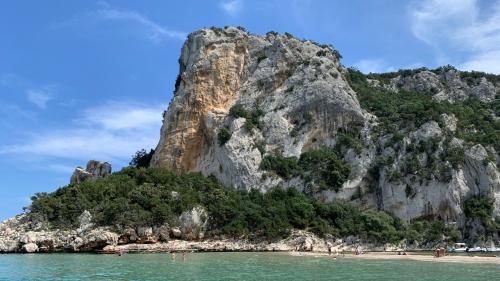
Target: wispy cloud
[
  {"x": 59, "y": 168},
  {"x": 463, "y": 26},
  {"x": 106, "y": 13},
  {"x": 110, "y": 132},
  {"x": 373, "y": 66},
  {"x": 232, "y": 7},
  {"x": 39, "y": 97}
]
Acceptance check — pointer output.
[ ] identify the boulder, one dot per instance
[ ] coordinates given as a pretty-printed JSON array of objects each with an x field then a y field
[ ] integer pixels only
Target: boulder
[
  {"x": 128, "y": 236},
  {"x": 28, "y": 237},
  {"x": 175, "y": 232},
  {"x": 194, "y": 223},
  {"x": 98, "y": 169},
  {"x": 79, "y": 176},
  {"x": 162, "y": 232},
  {"x": 85, "y": 220},
  {"x": 450, "y": 121},
  {"x": 98, "y": 239},
  {"x": 8, "y": 246},
  {"x": 95, "y": 170},
  {"x": 146, "y": 235},
  {"x": 29, "y": 248}
]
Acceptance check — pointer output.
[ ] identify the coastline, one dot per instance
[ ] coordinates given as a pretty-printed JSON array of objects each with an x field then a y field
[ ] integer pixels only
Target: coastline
[{"x": 409, "y": 257}]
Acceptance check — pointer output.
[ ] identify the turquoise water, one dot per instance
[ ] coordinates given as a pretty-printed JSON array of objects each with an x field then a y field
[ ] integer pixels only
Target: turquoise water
[{"x": 230, "y": 266}]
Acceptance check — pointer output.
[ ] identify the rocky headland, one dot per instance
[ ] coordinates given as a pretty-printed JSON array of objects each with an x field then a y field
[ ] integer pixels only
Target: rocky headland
[{"x": 263, "y": 112}]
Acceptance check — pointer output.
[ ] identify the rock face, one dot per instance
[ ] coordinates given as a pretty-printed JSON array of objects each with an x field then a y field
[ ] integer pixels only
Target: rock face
[
  {"x": 300, "y": 90},
  {"x": 23, "y": 234},
  {"x": 95, "y": 170},
  {"x": 287, "y": 79},
  {"x": 446, "y": 85}
]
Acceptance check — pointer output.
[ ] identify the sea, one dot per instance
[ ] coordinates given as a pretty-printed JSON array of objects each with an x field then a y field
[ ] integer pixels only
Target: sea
[{"x": 231, "y": 266}]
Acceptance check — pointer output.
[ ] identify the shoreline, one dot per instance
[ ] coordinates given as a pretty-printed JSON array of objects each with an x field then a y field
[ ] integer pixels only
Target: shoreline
[
  {"x": 387, "y": 256},
  {"x": 419, "y": 256}
]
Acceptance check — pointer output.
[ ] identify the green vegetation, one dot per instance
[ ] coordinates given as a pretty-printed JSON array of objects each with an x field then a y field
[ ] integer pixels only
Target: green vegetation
[
  {"x": 429, "y": 231},
  {"x": 455, "y": 155},
  {"x": 141, "y": 159},
  {"x": 285, "y": 167},
  {"x": 324, "y": 168},
  {"x": 321, "y": 168},
  {"x": 348, "y": 140},
  {"x": 408, "y": 110},
  {"x": 481, "y": 208},
  {"x": 224, "y": 136},
  {"x": 134, "y": 197},
  {"x": 252, "y": 117}
]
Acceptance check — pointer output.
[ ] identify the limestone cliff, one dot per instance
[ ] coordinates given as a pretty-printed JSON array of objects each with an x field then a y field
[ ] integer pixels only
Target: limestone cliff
[
  {"x": 303, "y": 101},
  {"x": 287, "y": 79}
]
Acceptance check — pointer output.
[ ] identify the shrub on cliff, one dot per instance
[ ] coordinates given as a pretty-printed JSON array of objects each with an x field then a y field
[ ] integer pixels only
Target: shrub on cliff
[
  {"x": 252, "y": 117},
  {"x": 321, "y": 168},
  {"x": 224, "y": 136}
]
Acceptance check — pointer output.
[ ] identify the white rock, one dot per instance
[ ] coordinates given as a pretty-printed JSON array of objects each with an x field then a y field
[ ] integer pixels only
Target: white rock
[
  {"x": 30, "y": 248},
  {"x": 194, "y": 223}
]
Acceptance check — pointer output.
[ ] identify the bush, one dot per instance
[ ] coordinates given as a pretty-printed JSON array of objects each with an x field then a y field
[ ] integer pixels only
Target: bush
[
  {"x": 139, "y": 196},
  {"x": 348, "y": 140},
  {"x": 141, "y": 159},
  {"x": 252, "y": 117},
  {"x": 479, "y": 207},
  {"x": 321, "y": 168},
  {"x": 285, "y": 167},
  {"x": 224, "y": 136},
  {"x": 455, "y": 155},
  {"x": 327, "y": 170}
]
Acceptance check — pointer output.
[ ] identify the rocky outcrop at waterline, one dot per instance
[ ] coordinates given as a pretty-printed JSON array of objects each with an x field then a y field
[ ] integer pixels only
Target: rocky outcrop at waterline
[{"x": 23, "y": 235}]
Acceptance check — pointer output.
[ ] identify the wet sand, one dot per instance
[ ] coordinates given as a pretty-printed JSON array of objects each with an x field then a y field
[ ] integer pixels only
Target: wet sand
[{"x": 410, "y": 256}]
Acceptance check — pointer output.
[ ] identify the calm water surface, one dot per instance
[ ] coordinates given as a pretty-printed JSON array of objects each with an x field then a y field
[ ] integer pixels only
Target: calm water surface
[{"x": 230, "y": 266}]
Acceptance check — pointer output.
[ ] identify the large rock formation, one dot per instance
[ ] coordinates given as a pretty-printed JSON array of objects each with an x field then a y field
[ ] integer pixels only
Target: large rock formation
[
  {"x": 95, "y": 170},
  {"x": 445, "y": 83},
  {"x": 300, "y": 90},
  {"x": 287, "y": 79}
]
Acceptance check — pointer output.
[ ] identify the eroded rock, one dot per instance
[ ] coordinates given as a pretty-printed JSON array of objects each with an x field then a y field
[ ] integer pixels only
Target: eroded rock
[
  {"x": 95, "y": 170},
  {"x": 194, "y": 223}
]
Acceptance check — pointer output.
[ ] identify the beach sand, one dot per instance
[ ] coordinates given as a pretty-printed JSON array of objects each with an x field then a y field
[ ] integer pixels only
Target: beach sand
[{"x": 410, "y": 256}]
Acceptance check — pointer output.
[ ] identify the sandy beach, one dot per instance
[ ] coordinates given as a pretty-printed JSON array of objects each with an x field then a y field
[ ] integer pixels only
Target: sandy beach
[{"x": 410, "y": 256}]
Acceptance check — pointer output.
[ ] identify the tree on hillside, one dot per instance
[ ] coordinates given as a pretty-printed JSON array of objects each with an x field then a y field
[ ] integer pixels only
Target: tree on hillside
[{"x": 142, "y": 158}]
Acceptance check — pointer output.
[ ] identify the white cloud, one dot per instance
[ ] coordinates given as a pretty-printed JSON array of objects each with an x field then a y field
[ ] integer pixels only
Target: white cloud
[
  {"x": 39, "y": 97},
  {"x": 122, "y": 116},
  {"x": 63, "y": 169},
  {"x": 232, "y": 7},
  {"x": 112, "y": 132},
  {"x": 152, "y": 30},
  {"x": 488, "y": 62},
  {"x": 462, "y": 26},
  {"x": 373, "y": 66}
]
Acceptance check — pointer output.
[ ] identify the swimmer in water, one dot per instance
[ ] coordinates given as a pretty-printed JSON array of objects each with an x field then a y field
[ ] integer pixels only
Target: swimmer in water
[
  {"x": 172, "y": 257},
  {"x": 183, "y": 256}
]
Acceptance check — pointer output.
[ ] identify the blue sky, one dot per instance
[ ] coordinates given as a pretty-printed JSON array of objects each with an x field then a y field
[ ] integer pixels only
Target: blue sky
[{"x": 86, "y": 80}]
